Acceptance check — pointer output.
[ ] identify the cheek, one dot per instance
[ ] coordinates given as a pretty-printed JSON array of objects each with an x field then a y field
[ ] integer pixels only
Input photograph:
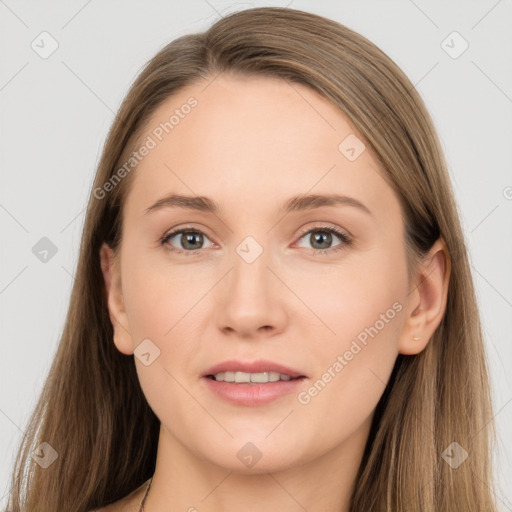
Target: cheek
[
  {"x": 165, "y": 302},
  {"x": 159, "y": 294},
  {"x": 162, "y": 304},
  {"x": 361, "y": 309},
  {"x": 364, "y": 293}
]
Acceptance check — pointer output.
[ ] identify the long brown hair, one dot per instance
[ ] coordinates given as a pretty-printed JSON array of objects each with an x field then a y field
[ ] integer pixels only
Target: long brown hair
[{"x": 92, "y": 410}]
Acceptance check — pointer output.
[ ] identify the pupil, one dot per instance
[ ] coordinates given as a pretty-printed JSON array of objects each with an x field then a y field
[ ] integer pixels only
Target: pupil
[
  {"x": 324, "y": 234},
  {"x": 190, "y": 237}
]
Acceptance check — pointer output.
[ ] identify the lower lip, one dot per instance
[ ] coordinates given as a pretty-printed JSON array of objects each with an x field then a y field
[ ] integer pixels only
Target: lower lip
[{"x": 253, "y": 394}]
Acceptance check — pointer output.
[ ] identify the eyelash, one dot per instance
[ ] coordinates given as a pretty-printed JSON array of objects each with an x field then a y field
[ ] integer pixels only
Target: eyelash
[{"x": 346, "y": 240}]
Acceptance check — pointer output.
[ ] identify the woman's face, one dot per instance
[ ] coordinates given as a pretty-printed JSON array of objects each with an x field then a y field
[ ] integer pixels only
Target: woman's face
[{"x": 260, "y": 278}]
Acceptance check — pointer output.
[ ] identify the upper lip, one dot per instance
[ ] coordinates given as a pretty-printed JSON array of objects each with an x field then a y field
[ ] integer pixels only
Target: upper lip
[{"x": 261, "y": 365}]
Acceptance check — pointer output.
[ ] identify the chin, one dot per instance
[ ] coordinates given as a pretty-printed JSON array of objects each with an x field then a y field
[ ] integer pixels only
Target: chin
[{"x": 256, "y": 457}]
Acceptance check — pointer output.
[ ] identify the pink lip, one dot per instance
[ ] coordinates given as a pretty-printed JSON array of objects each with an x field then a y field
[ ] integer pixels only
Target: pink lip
[
  {"x": 261, "y": 365},
  {"x": 252, "y": 394}
]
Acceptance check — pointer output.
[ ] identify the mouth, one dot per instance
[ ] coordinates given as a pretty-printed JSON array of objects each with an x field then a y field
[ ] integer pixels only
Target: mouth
[
  {"x": 252, "y": 384},
  {"x": 261, "y": 371},
  {"x": 239, "y": 377}
]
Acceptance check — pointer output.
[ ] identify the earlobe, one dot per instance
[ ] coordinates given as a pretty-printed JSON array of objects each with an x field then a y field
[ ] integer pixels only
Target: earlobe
[
  {"x": 112, "y": 278},
  {"x": 427, "y": 300}
]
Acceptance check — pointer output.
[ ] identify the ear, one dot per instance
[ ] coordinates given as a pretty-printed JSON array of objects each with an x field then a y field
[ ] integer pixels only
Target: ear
[
  {"x": 118, "y": 317},
  {"x": 427, "y": 300}
]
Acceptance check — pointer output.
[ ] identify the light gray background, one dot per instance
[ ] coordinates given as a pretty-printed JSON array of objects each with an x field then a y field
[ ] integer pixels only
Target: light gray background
[{"x": 55, "y": 113}]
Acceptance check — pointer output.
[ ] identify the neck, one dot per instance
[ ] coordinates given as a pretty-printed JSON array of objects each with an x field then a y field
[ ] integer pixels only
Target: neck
[{"x": 185, "y": 481}]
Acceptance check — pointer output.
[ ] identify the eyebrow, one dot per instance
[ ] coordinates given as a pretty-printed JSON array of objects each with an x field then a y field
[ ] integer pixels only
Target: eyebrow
[{"x": 294, "y": 204}]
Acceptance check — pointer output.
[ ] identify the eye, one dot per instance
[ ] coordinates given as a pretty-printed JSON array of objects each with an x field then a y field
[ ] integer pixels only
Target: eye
[
  {"x": 321, "y": 238},
  {"x": 191, "y": 241}
]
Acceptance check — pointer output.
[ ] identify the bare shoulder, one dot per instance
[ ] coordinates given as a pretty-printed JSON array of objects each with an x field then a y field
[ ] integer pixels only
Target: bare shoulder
[
  {"x": 114, "y": 507},
  {"x": 130, "y": 503},
  {"x": 118, "y": 506}
]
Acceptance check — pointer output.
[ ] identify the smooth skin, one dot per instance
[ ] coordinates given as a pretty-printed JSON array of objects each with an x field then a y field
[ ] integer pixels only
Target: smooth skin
[{"x": 250, "y": 144}]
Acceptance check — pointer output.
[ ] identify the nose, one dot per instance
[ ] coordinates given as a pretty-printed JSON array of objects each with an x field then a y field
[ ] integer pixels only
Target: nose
[{"x": 251, "y": 299}]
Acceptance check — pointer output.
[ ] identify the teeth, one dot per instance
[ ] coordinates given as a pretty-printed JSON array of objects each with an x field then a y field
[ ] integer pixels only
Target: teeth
[{"x": 241, "y": 377}]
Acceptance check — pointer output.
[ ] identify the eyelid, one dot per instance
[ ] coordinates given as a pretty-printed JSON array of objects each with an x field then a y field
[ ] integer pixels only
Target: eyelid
[
  {"x": 178, "y": 231},
  {"x": 345, "y": 237},
  {"x": 339, "y": 231}
]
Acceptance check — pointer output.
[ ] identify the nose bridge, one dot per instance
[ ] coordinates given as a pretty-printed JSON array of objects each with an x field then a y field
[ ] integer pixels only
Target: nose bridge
[
  {"x": 250, "y": 297},
  {"x": 250, "y": 263}
]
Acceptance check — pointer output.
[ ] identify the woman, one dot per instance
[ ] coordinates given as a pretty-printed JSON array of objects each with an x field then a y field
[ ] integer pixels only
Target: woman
[{"x": 273, "y": 305}]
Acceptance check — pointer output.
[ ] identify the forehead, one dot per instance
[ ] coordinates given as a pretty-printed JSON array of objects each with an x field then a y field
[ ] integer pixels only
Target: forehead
[{"x": 252, "y": 141}]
